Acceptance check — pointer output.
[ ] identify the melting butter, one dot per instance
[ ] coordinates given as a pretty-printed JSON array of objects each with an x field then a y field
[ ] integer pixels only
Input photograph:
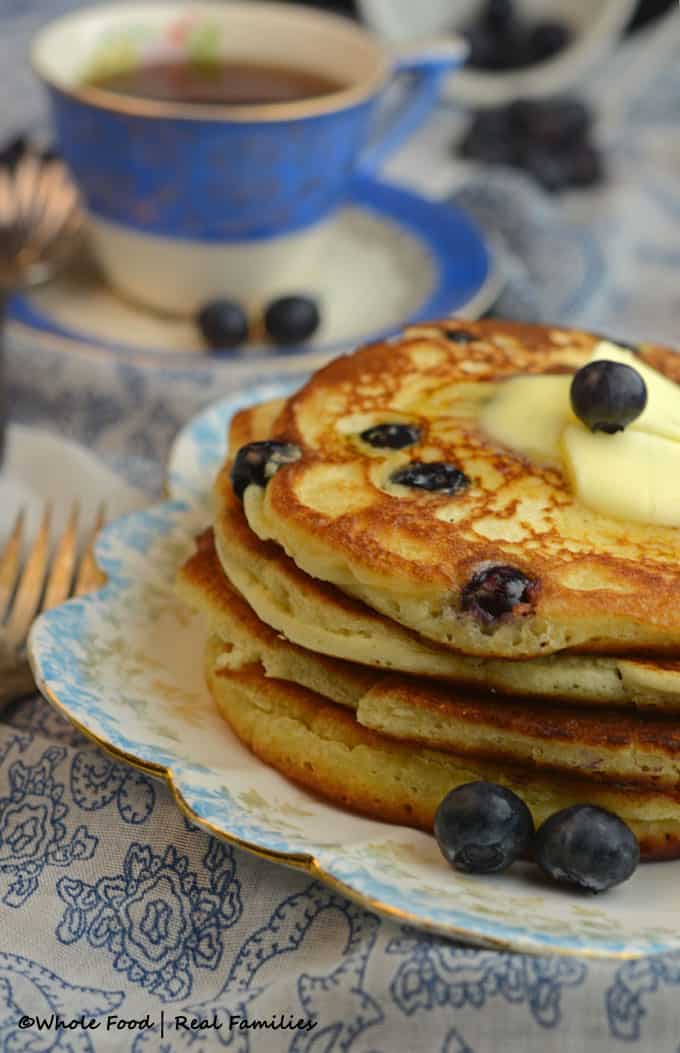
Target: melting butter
[
  {"x": 529, "y": 414},
  {"x": 629, "y": 475}
]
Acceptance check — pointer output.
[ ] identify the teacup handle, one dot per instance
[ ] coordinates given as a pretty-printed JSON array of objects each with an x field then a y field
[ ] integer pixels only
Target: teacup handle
[{"x": 428, "y": 65}]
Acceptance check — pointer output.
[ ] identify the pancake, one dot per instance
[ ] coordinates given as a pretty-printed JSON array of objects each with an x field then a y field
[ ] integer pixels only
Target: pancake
[
  {"x": 246, "y": 640},
  {"x": 321, "y": 618},
  {"x": 320, "y": 746},
  {"x": 604, "y": 745},
  {"x": 593, "y": 583}
]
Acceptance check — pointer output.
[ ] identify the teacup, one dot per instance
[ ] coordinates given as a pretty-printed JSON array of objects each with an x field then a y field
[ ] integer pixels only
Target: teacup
[{"x": 191, "y": 201}]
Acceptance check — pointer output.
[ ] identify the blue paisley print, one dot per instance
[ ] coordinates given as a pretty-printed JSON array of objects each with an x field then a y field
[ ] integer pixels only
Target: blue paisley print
[
  {"x": 97, "y": 781},
  {"x": 248, "y": 995},
  {"x": 439, "y": 973},
  {"x": 628, "y": 998},
  {"x": 33, "y": 834},
  {"x": 29, "y": 988},
  {"x": 157, "y": 920}
]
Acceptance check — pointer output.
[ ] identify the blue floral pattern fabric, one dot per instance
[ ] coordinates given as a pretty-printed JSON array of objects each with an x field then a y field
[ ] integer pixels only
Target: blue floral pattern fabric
[{"x": 125, "y": 927}]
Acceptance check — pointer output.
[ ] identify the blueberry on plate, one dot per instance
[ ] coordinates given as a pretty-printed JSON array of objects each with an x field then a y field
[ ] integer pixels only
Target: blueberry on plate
[
  {"x": 392, "y": 436},
  {"x": 607, "y": 396},
  {"x": 435, "y": 476},
  {"x": 497, "y": 591},
  {"x": 291, "y": 319},
  {"x": 588, "y": 847},
  {"x": 223, "y": 323},
  {"x": 482, "y": 828},
  {"x": 257, "y": 462}
]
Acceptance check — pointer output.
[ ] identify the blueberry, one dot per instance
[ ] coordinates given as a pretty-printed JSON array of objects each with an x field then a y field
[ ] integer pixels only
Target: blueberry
[
  {"x": 550, "y": 122},
  {"x": 483, "y": 47},
  {"x": 291, "y": 319},
  {"x": 584, "y": 166},
  {"x": 498, "y": 15},
  {"x": 482, "y": 828},
  {"x": 548, "y": 169},
  {"x": 488, "y": 138},
  {"x": 459, "y": 336},
  {"x": 257, "y": 462},
  {"x": 391, "y": 436},
  {"x": 547, "y": 39},
  {"x": 13, "y": 150},
  {"x": 586, "y": 846},
  {"x": 223, "y": 323},
  {"x": 495, "y": 592},
  {"x": 607, "y": 396},
  {"x": 431, "y": 475}
]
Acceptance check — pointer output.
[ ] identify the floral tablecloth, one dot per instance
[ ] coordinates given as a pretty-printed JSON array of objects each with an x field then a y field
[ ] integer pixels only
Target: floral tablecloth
[{"x": 119, "y": 919}]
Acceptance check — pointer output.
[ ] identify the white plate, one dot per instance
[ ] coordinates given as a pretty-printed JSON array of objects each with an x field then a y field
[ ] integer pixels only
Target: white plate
[{"x": 125, "y": 665}]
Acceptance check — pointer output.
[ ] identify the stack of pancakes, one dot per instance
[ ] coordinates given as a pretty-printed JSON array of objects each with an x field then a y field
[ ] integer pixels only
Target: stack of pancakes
[{"x": 344, "y": 649}]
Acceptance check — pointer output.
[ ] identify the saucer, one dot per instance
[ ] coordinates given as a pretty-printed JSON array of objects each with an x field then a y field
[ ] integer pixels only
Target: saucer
[{"x": 397, "y": 258}]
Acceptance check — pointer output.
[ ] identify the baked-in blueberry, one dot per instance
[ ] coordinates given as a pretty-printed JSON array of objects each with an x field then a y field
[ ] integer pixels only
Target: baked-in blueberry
[
  {"x": 257, "y": 462},
  {"x": 607, "y": 396},
  {"x": 392, "y": 436},
  {"x": 482, "y": 828},
  {"x": 496, "y": 591},
  {"x": 459, "y": 336},
  {"x": 436, "y": 476},
  {"x": 586, "y": 846}
]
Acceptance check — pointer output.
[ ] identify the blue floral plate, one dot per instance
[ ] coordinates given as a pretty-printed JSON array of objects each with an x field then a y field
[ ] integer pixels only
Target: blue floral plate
[
  {"x": 125, "y": 666},
  {"x": 392, "y": 257}
]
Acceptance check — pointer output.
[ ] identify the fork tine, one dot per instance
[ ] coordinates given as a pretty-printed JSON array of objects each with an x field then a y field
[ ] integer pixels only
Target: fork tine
[
  {"x": 63, "y": 562},
  {"x": 30, "y": 584},
  {"x": 89, "y": 575},
  {"x": 9, "y": 562}
]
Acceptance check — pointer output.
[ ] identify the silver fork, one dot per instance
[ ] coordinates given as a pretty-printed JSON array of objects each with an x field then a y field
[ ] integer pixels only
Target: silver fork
[{"x": 41, "y": 583}]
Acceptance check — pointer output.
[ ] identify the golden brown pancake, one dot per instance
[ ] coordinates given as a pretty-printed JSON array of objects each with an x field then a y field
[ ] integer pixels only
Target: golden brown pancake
[
  {"x": 320, "y": 617},
  {"x": 597, "y": 584},
  {"x": 602, "y": 744},
  {"x": 322, "y": 747}
]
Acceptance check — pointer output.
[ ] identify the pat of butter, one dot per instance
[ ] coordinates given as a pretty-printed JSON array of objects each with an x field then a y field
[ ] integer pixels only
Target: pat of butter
[
  {"x": 629, "y": 475},
  {"x": 529, "y": 414}
]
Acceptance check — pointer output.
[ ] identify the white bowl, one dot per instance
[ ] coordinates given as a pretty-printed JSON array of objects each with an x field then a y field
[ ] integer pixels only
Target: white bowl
[{"x": 596, "y": 26}]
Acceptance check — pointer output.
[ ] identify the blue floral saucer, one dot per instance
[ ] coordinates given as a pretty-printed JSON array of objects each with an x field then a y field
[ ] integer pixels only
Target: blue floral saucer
[
  {"x": 393, "y": 257},
  {"x": 125, "y": 666}
]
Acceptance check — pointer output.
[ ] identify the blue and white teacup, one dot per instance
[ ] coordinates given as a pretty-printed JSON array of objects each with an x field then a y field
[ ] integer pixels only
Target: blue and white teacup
[{"x": 187, "y": 201}]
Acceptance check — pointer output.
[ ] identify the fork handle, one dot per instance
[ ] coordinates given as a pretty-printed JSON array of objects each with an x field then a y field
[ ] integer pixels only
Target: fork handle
[
  {"x": 16, "y": 683},
  {"x": 3, "y": 375}
]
